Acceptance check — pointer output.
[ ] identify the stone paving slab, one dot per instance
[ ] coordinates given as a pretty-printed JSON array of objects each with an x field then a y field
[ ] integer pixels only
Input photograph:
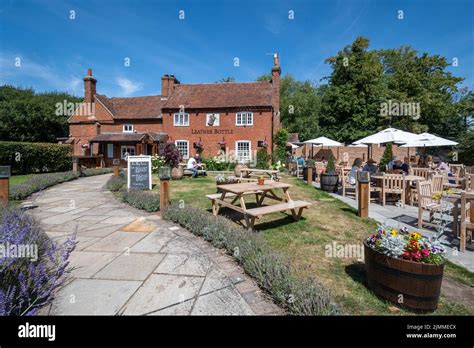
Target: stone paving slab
[{"x": 130, "y": 262}]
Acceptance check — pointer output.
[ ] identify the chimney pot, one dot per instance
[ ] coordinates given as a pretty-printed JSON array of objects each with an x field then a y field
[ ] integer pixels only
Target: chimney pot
[{"x": 89, "y": 72}]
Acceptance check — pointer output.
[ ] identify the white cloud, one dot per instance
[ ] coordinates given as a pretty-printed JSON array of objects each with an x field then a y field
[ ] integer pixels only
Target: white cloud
[{"x": 128, "y": 87}]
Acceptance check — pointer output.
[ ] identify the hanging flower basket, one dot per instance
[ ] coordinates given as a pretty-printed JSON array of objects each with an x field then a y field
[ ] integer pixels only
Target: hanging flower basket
[{"x": 198, "y": 145}]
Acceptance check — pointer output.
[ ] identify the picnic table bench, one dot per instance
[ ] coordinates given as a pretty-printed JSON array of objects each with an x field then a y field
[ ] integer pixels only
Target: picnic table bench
[
  {"x": 271, "y": 173},
  {"x": 238, "y": 191}
]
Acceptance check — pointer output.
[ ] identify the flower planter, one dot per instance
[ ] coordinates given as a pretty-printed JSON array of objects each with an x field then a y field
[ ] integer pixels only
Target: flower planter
[
  {"x": 409, "y": 284},
  {"x": 177, "y": 173},
  {"x": 329, "y": 182}
]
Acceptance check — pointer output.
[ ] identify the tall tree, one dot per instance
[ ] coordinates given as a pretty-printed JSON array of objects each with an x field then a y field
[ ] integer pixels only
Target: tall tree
[
  {"x": 351, "y": 101},
  {"x": 28, "y": 116}
]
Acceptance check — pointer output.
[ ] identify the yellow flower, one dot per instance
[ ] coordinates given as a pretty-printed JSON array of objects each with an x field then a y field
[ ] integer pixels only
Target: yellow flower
[
  {"x": 394, "y": 232},
  {"x": 415, "y": 236}
]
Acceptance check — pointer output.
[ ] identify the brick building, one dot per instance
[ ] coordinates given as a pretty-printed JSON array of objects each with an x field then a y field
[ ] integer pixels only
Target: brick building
[{"x": 237, "y": 118}]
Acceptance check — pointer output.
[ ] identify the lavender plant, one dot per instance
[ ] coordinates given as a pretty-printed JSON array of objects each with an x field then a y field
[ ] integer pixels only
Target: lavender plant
[{"x": 27, "y": 284}]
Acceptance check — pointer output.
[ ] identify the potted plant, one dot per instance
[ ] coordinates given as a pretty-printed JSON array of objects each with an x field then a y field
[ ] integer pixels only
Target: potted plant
[
  {"x": 172, "y": 158},
  {"x": 405, "y": 268},
  {"x": 261, "y": 180},
  {"x": 329, "y": 179}
]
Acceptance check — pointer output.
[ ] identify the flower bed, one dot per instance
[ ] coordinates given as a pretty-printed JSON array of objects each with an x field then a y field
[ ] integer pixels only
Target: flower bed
[
  {"x": 28, "y": 283},
  {"x": 272, "y": 271},
  {"x": 405, "y": 268}
]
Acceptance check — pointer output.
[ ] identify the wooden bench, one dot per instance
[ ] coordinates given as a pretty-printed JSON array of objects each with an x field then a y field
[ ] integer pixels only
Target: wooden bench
[
  {"x": 215, "y": 196},
  {"x": 256, "y": 213}
]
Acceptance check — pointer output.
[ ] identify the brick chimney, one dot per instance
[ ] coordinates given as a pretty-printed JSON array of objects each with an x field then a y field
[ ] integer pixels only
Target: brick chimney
[
  {"x": 167, "y": 83},
  {"x": 89, "y": 87},
  {"x": 276, "y": 72}
]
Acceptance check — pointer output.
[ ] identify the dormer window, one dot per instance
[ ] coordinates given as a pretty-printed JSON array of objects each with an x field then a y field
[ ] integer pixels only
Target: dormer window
[
  {"x": 128, "y": 128},
  {"x": 181, "y": 119}
]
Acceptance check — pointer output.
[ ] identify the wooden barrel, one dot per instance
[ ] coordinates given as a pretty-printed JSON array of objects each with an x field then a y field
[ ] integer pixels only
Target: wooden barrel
[
  {"x": 406, "y": 283},
  {"x": 237, "y": 169}
]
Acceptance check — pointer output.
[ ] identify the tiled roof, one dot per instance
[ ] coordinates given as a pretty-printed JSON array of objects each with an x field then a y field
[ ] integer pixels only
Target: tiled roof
[
  {"x": 133, "y": 107},
  {"x": 215, "y": 95},
  {"x": 132, "y": 137}
]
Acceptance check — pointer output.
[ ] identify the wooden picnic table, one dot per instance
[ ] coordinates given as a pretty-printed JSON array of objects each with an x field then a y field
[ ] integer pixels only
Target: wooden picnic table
[
  {"x": 271, "y": 173},
  {"x": 408, "y": 180},
  {"x": 237, "y": 192}
]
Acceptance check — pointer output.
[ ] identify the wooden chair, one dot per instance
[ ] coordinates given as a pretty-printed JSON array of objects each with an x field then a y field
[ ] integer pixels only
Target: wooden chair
[
  {"x": 457, "y": 170},
  {"x": 469, "y": 181},
  {"x": 377, "y": 189},
  {"x": 469, "y": 170},
  {"x": 346, "y": 185},
  {"x": 299, "y": 170},
  {"x": 467, "y": 226},
  {"x": 436, "y": 183},
  {"x": 393, "y": 184},
  {"x": 458, "y": 182},
  {"x": 426, "y": 203},
  {"x": 424, "y": 172}
]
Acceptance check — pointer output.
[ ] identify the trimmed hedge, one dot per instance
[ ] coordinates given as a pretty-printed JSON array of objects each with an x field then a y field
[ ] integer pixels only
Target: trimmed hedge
[
  {"x": 272, "y": 271},
  {"x": 39, "y": 182},
  {"x": 27, "y": 158},
  {"x": 145, "y": 200},
  {"x": 116, "y": 183},
  {"x": 96, "y": 171}
]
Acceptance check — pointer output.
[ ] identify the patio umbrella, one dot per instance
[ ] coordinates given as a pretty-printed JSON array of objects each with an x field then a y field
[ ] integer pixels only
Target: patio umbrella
[
  {"x": 323, "y": 141},
  {"x": 427, "y": 139},
  {"x": 388, "y": 135},
  {"x": 293, "y": 146}
]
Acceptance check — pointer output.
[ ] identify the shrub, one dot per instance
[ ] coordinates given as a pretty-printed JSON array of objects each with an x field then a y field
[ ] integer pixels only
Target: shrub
[
  {"x": 466, "y": 149},
  {"x": 96, "y": 171},
  {"x": 263, "y": 158},
  {"x": 27, "y": 158},
  {"x": 387, "y": 156},
  {"x": 272, "y": 271},
  {"x": 331, "y": 167},
  {"x": 280, "y": 138},
  {"x": 39, "y": 182},
  {"x": 116, "y": 183},
  {"x": 171, "y": 155},
  {"x": 28, "y": 283},
  {"x": 145, "y": 200}
]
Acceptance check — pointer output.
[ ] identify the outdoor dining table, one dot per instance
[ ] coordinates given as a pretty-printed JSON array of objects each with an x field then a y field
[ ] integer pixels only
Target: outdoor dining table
[
  {"x": 237, "y": 192},
  {"x": 271, "y": 173},
  {"x": 408, "y": 180}
]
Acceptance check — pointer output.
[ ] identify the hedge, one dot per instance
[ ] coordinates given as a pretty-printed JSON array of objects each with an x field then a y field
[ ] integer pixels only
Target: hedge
[
  {"x": 144, "y": 200},
  {"x": 27, "y": 158},
  {"x": 272, "y": 271}
]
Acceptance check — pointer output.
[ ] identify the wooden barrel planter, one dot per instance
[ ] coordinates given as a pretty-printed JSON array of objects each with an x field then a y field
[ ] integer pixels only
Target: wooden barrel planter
[
  {"x": 418, "y": 283},
  {"x": 329, "y": 182}
]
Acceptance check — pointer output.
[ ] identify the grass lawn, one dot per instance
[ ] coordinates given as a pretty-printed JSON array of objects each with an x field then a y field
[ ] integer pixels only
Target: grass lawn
[
  {"x": 18, "y": 179},
  {"x": 328, "y": 220}
]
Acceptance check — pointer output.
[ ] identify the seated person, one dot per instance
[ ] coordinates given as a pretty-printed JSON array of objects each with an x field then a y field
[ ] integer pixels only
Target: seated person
[
  {"x": 443, "y": 166},
  {"x": 406, "y": 165},
  {"x": 397, "y": 164},
  {"x": 370, "y": 166},
  {"x": 356, "y": 166},
  {"x": 193, "y": 165}
]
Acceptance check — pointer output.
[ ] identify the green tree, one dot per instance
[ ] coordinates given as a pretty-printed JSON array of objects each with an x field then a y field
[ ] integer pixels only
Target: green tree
[
  {"x": 355, "y": 89},
  {"x": 29, "y": 116},
  {"x": 387, "y": 156},
  {"x": 226, "y": 79}
]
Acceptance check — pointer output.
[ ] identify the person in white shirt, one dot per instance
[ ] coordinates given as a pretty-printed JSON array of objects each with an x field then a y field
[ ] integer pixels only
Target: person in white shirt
[
  {"x": 193, "y": 165},
  {"x": 356, "y": 166}
]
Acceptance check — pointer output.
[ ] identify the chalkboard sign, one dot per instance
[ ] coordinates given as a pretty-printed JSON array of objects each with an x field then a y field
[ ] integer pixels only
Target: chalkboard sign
[{"x": 139, "y": 172}]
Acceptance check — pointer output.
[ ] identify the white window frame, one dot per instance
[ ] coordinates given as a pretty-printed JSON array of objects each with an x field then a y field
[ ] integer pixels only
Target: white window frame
[
  {"x": 181, "y": 122},
  {"x": 241, "y": 114},
  {"x": 126, "y": 147},
  {"x": 110, "y": 150},
  {"x": 238, "y": 158},
  {"x": 127, "y": 125},
  {"x": 187, "y": 147}
]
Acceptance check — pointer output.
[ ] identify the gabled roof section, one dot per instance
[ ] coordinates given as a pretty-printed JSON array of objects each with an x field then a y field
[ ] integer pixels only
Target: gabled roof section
[
  {"x": 214, "y": 95},
  {"x": 148, "y": 107}
]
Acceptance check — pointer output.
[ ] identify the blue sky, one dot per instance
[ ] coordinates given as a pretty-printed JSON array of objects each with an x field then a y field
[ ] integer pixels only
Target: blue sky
[{"x": 55, "y": 51}]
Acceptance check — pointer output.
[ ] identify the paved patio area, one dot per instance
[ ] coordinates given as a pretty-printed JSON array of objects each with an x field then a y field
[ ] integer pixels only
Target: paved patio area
[
  {"x": 398, "y": 217},
  {"x": 129, "y": 262}
]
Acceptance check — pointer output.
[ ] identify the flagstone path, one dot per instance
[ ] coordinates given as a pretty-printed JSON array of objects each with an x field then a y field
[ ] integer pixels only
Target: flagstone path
[{"x": 129, "y": 262}]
